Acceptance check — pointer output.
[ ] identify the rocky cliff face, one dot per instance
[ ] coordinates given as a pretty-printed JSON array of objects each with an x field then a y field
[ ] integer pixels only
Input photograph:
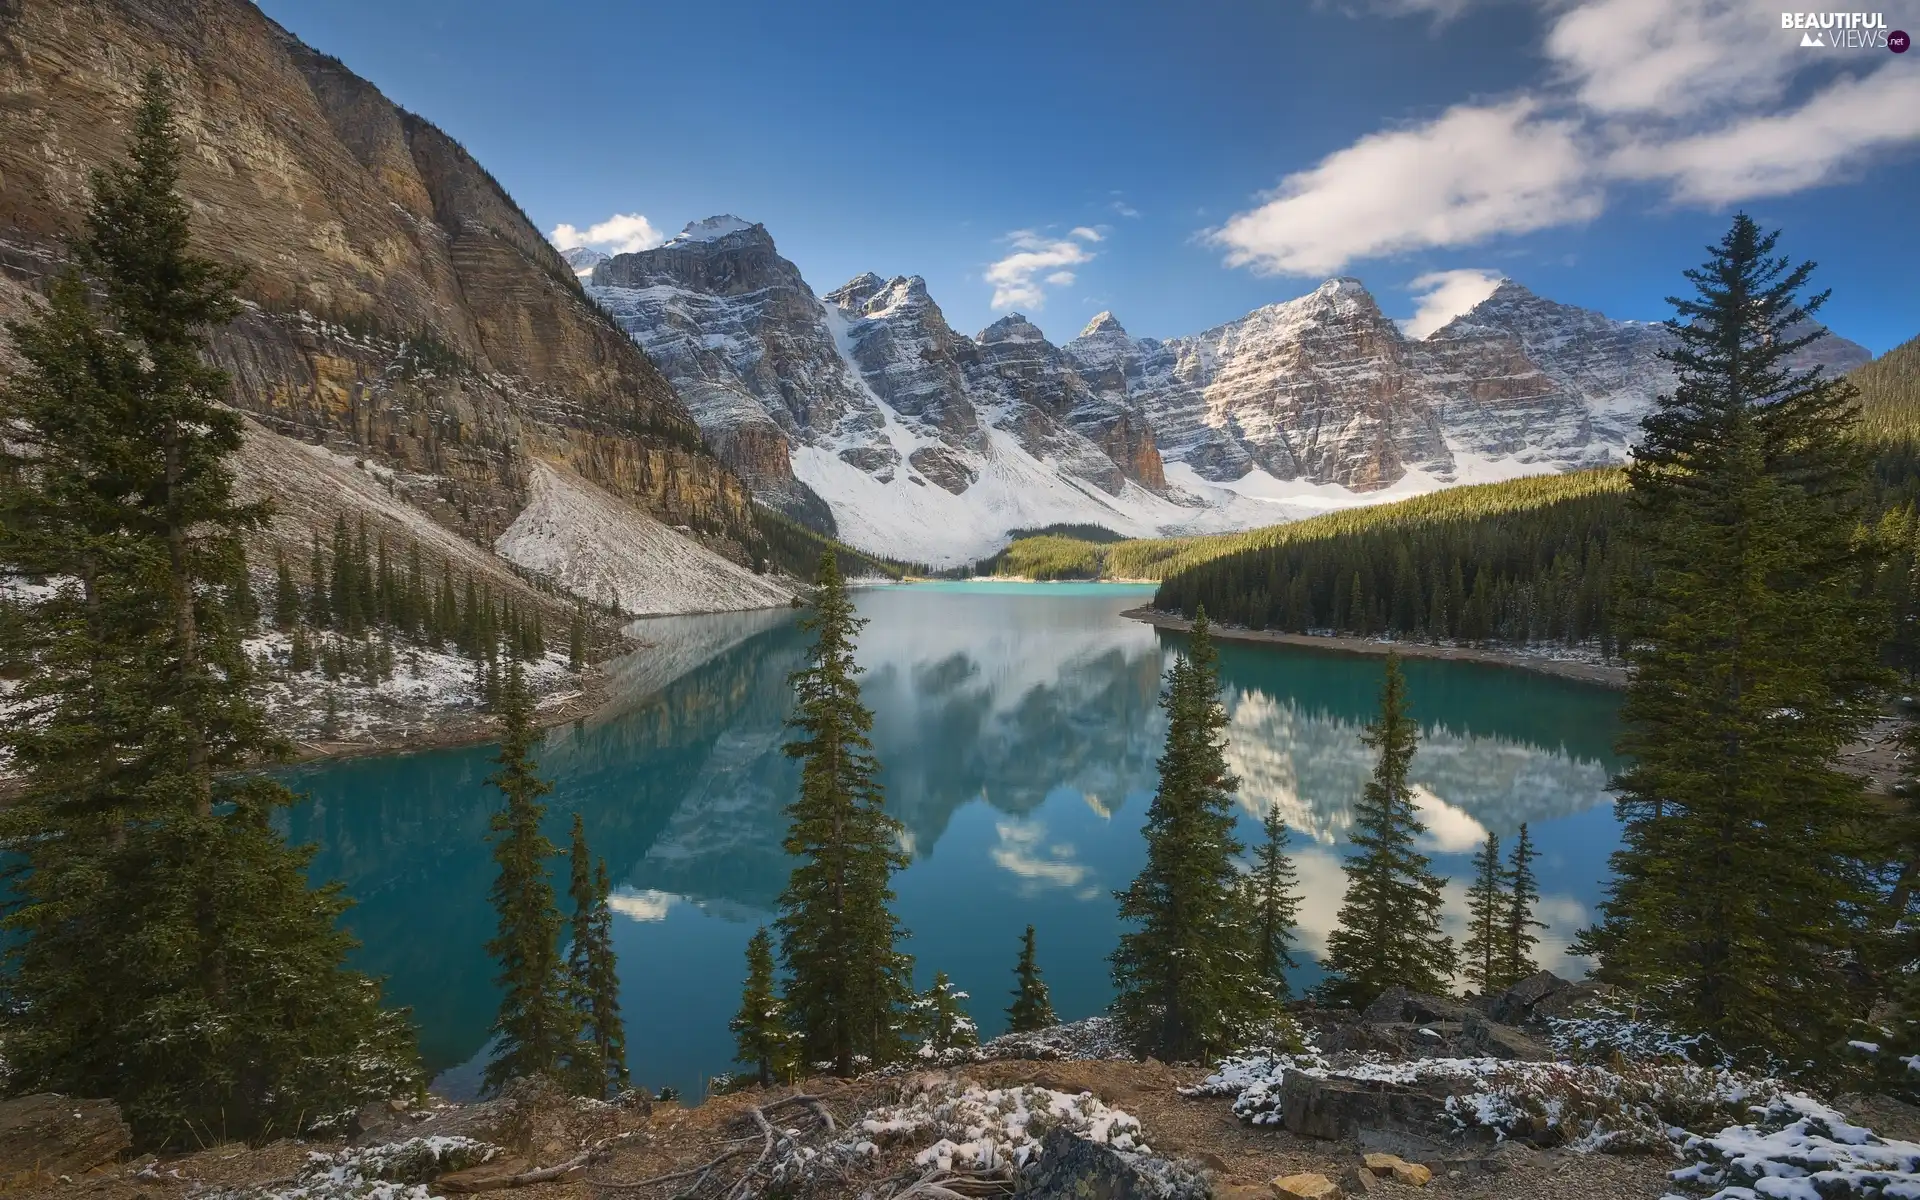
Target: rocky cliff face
[
  {"x": 828, "y": 403},
  {"x": 864, "y": 412},
  {"x": 403, "y": 309},
  {"x": 1326, "y": 390}
]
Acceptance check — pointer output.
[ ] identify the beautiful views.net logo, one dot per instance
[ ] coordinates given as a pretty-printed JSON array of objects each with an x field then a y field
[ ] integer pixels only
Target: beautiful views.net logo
[{"x": 1845, "y": 31}]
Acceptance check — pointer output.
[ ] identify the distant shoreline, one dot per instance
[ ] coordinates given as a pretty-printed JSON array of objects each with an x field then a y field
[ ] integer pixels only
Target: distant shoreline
[{"x": 1601, "y": 674}]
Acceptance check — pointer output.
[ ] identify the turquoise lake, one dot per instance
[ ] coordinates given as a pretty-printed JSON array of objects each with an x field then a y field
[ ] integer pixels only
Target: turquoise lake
[{"x": 1017, "y": 726}]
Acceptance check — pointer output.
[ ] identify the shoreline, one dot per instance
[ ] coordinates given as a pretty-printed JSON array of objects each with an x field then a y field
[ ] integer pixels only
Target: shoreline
[
  {"x": 464, "y": 727},
  {"x": 1598, "y": 674}
]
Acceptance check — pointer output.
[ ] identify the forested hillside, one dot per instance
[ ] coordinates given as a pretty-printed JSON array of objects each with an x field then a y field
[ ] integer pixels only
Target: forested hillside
[{"x": 1531, "y": 560}]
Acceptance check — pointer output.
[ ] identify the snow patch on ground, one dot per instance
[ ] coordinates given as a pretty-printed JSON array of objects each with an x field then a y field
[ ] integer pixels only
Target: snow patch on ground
[
  {"x": 394, "y": 1171},
  {"x": 987, "y": 1128},
  {"x": 595, "y": 545},
  {"x": 1799, "y": 1149}
]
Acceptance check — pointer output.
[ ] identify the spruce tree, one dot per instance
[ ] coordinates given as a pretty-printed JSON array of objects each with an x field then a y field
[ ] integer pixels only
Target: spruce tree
[
  {"x": 848, "y": 982},
  {"x": 1735, "y": 895},
  {"x": 1186, "y": 973},
  {"x": 761, "y": 1037},
  {"x": 347, "y": 614},
  {"x": 1032, "y": 1006},
  {"x": 577, "y": 639},
  {"x": 536, "y": 1028},
  {"x": 1272, "y": 902},
  {"x": 319, "y": 607},
  {"x": 165, "y": 950},
  {"x": 286, "y": 594},
  {"x": 1523, "y": 897},
  {"x": 941, "y": 1017},
  {"x": 593, "y": 981},
  {"x": 1388, "y": 931},
  {"x": 1485, "y": 957}
]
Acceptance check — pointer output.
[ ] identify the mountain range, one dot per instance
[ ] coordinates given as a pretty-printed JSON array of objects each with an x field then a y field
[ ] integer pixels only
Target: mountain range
[
  {"x": 862, "y": 413},
  {"x": 414, "y": 352}
]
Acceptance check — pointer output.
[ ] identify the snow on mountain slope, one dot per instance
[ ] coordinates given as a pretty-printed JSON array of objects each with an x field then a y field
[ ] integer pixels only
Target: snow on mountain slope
[
  {"x": 597, "y": 546},
  {"x": 864, "y": 413}
]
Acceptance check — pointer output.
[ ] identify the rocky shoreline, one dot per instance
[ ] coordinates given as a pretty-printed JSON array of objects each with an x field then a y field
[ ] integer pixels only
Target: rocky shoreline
[{"x": 1583, "y": 669}]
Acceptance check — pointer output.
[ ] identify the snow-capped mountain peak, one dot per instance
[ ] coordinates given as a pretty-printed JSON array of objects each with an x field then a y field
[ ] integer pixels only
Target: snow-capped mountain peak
[
  {"x": 583, "y": 259},
  {"x": 1011, "y": 328},
  {"x": 863, "y": 412},
  {"x": 713, "y": 228}
]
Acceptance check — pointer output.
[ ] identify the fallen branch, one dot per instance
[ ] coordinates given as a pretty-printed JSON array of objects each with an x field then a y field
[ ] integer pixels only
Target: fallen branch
[{"x": 578, "y": 1162}]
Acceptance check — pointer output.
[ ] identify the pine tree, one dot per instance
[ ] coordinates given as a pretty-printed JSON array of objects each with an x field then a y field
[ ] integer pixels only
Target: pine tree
[
  {"x": 940, "y": 1014},
  {"x": 1032, "y": 1006},
  {"x": 286, "y": 594},
  {"x": 536, "y": 1028},
  {"x": 1484, "y": 957},
  {"x": 300, "y": 654},
  {"x": 1388, "y": 932},
  {"x": 848, "y": 982},
  {"x": 1733, "y": 901},
  {"x": 347, "y": 615},
  {"x": 577, "y": 639},
  {"x": 1517, "y": 938},
  {"x": 319, "y": 607},
  {"x": 1186, "y": 973},
  {"x": 1273, "y": 903},
  {"x": 154, "y": 907},
  {"x": 761, "y": 1037},
  {"x": 593, "y": 981}
]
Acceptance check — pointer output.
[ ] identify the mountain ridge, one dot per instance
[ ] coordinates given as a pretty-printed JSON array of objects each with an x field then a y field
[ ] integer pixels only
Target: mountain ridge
[{"x": 1302, "y": 405}]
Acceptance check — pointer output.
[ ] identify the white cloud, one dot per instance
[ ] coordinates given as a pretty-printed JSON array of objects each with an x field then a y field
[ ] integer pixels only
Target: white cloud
[
  {"x": 1710, "y": 100},
  {"x": 1021, "y": 852},
  {"x": 646, "y": 905},
  {"x": 622, "y": 233},
  {"x": 1037, "y": 259},
  {"x": 1443, "y": 295},
  {"x": 1673, "y": 57},
  {"x": 1772, "y": 155},
  {"x": 1124, "y": 209},
  {"x": 1473, "y": 172},
  {"x": 1449, "y": 830}
]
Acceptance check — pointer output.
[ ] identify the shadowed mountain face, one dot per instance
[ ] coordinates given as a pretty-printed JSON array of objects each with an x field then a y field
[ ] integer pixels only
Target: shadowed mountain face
[
  {"x": 1017, "y": 731},
  {"x": 404, "y": 309}
]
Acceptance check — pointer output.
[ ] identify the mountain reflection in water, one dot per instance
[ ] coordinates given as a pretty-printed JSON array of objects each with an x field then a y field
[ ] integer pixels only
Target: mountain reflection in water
[{"x": 1017, "y": 728}]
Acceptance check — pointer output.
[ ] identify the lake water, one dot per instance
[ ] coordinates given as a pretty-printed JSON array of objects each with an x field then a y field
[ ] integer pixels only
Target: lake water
[{"x": 1017, "y": 728}]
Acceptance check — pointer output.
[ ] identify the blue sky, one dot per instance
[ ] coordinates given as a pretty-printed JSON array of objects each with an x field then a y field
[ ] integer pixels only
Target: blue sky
[{"x": 1213, "y": 156}]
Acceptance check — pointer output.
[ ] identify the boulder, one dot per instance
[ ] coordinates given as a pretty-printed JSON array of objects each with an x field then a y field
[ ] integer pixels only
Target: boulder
[
  {"x": 1411, "y": 1174},
  {"x": 1358, "y": 1181},
  {"x": 1515, "y": 1005},
  {"x": 1398, "y": 1005},
  {"x": 1073, "y": 1168},
  {"x": 1490, "y": 1039},
  {"x": 1308, "y": 1186},
  {"x": 52, "y": 1135},
  {"x": 1335, "y": 1109}
]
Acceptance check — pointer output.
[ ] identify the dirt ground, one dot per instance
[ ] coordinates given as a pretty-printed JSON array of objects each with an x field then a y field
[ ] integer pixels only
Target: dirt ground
[{"x": 671, "y": 1138}]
